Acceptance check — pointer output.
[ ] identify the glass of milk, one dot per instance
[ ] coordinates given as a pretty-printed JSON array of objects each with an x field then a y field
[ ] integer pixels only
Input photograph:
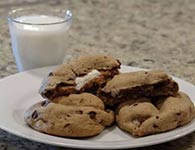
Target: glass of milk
[{"x": 38, "y": 37}]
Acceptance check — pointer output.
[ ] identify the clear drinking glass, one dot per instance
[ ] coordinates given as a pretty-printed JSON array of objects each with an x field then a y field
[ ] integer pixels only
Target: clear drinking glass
[{"x": 38, "y": 37}]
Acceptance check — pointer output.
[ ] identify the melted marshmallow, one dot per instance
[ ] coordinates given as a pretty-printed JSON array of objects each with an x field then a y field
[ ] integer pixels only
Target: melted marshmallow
[{"x": 81, "y": 81}]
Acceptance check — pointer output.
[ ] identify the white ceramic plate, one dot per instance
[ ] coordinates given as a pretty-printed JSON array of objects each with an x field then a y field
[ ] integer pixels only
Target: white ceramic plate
[{"x": 20, "y": 91}]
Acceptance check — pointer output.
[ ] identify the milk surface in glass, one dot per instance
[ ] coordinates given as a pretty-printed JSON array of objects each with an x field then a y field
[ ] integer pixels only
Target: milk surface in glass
[{"x": 38, "y": 40}]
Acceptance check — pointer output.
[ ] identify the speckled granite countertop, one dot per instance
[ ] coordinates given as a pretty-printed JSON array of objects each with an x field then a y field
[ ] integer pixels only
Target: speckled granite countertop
[{"x": 142, "y": 33}]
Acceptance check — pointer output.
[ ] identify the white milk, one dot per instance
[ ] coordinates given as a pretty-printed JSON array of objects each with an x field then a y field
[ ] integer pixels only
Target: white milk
[{"x": 38, "y": 45}]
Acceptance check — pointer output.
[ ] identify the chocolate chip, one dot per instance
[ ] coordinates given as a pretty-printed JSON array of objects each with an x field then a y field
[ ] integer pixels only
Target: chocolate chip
[
  {"x": 178, "y": 114},
  {"x": 34, "y": 115},
  {"x": 66, "y": 125},
  {"x": 155, "y": 126},
  {"x": 79, "y": 112},
  {"x": 67, "y": 115},
  {"x": 50, "y": 74},
  {"x": 157, "y": 117},
  {"x": 81, "y": 101},
  {"x": 45, "y": 121},
  {"x": 92, "y": 114},
  {"x": 118, "y": 61},
  {"x": 135, "y": 104},
  {"x": 146, "y": 72},
  {"x": 45, "y": 103}
]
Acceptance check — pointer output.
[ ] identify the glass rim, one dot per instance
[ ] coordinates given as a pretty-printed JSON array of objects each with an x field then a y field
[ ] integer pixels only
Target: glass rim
[{"x": 67, "y": 18}]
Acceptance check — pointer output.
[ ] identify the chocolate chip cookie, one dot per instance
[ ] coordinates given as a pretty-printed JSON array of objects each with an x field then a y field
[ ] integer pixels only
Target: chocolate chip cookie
[
  {"x": 65, "y": 117},
  {"x": 144, "y": 118},
  {"x": 138, "y": 84},
  {"x": 86, "y": 74}
]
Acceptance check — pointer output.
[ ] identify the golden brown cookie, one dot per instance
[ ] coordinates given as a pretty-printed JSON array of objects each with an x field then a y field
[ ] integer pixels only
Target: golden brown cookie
[
  {"x": 86, "y": 74},
  {"x": 138, "y": 84},
  {"x": 144, "y": 118},
  {"x": 130, "y": 102},
  {"x": 84, "y": 99},
  {"x": 68, "y": 120}
]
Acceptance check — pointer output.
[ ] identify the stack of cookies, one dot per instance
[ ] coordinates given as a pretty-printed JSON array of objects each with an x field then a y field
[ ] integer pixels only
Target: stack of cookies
[{"x": 86, "y": 95}]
